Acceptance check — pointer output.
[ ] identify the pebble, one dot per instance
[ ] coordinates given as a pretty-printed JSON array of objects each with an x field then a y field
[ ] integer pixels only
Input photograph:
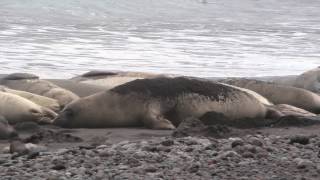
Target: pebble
[
  {"x": 167, "y": 142},
  {"x": 228, "y": 154},
  {"x": 303, "y": 163},
  {"x": 255, "y": 141},
  {"x": 236, "y": 142},
  {"x": 172, "y": 158},
  {"x": 301, "y": 139}
]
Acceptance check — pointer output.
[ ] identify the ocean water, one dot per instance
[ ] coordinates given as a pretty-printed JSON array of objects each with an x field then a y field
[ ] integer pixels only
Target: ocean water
[{"x": 205, "y": 38}]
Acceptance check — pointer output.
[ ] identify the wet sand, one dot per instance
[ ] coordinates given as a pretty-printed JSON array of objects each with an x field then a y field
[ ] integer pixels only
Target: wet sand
[{"x": 115, "y": 135}]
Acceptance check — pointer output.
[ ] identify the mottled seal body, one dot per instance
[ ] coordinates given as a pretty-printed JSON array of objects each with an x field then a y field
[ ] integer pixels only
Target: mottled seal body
[
  {"x": 38, "y": 99},
  {"x": 17, "y": 109},
  {"x": 29, "y": 83},
  {"x": 159, "y": 103},
  {"x": 279, "y": 94}
]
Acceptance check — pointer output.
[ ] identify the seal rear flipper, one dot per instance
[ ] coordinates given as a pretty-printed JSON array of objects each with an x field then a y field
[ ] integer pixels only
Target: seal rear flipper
[
  {"x": 273, "y": 113},
  {"x": 48, "y": 116}
]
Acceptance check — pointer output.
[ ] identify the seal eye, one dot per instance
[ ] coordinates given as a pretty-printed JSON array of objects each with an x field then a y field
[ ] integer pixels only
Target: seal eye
[{"x": 68, "y": 112}]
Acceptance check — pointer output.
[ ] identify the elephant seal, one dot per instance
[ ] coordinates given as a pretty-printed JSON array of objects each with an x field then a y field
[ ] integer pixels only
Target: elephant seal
[
  {"x": 6, "y": 131},
  {"x": 40, "y": 100},
  {"x": 279, "y": 94},
  {"x": 27, "y": 82},
  {"x": 159, "y": 103},
  {"x": 17, "y": 109},
  {"x": 80, "y": 89},
  {"x": 309, "y": 80},
  {"x": 110, "y": 79}
]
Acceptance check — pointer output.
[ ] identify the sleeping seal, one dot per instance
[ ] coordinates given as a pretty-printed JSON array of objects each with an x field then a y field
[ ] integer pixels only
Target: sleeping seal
[
  {"x": 110, "y": 79},
  {"x": 32, "y": 84},
  {"x": 309, "y": 80},
  {"x": 159, "y": 103},
  {"x": 17, "y": 109},
  {"x": 40, "y": 100},
  {"x": 279, "y": 94}
]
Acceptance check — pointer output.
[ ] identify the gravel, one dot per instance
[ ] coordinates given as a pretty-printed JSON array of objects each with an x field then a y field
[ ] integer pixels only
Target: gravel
[
  {"x": 194, "y": 151},
  {"x": 249, "y": 157}
]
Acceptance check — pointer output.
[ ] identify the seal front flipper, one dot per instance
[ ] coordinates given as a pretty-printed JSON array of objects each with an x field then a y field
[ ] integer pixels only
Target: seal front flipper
[
  {"x": 158, "y": 122},
  {"x": 155, "y": 120}
]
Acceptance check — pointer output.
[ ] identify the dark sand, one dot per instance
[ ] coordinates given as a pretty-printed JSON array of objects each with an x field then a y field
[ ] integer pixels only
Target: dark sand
[{"x": 116, "y": 135}]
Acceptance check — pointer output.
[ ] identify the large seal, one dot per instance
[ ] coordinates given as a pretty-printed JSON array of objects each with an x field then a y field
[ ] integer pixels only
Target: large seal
[
  {"x": 279, "y": 94},
  {"x": 309, "y": 80},
  {"x": 17, "y": 109},
  {"x": 110, "y": 79},
  {"x": 32, "y": 84},
  {"x": 159, "y": 103},
  {"x": 40, "y": 100}
]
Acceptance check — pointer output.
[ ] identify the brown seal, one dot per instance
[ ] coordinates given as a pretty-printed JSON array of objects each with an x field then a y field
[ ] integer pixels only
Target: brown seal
[
  {"x": 38, "y": 99},
  {"x": 159, "y": 103},
  {"x": 17, "y": 109}
]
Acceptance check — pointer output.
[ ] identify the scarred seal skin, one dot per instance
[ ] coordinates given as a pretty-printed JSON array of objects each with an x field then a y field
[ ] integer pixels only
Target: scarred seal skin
[
  {"x": 32, "y": 84},
  {"x": 159, "y": 103},
  {"x": 279, "y": 94}
]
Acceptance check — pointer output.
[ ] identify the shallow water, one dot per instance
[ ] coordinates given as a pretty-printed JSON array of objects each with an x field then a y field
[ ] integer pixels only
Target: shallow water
[{"x": 192, "y": 37}]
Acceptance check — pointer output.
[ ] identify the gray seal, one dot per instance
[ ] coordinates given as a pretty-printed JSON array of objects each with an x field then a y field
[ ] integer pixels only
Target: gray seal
[{"x": 280, "y": 94}]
